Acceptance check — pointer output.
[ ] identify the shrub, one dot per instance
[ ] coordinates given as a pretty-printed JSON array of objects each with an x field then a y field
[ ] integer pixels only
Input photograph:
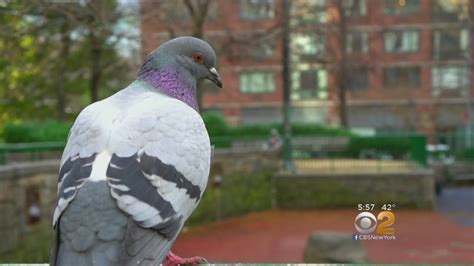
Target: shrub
[
  {"x": 467, "y": 154},
  {"x": 397, "y": 146},
  {"x": 297, "y": 130},
  {"x": 216, "y": 126},
  {"x": 254, "y": 130},
  {"x": 222, "y": 135},
  {"x": 318, "y": 130},
  {"x": 215, "y": 123},
  {"x": 35, "y": 131}
]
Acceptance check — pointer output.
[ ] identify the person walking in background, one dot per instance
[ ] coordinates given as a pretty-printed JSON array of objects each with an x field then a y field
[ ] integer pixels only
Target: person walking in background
[{"x": 275, "y": 142}]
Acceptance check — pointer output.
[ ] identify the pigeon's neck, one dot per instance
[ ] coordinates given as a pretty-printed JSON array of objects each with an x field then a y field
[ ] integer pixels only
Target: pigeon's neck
[{"x": 174, "y": 82}]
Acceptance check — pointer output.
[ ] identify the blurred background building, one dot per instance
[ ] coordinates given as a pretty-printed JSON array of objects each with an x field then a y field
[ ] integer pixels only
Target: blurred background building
[
  {"x": 382, "y": 112},
  {"x": 396, "y": 65}
]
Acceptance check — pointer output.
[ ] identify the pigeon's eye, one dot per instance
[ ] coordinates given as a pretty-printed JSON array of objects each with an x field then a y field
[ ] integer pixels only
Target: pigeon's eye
[{"x": 197, "y": 57}]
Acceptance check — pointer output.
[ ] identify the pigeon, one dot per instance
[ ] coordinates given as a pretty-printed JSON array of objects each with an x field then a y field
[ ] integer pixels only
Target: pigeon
[{"x": 136, "y": 164}]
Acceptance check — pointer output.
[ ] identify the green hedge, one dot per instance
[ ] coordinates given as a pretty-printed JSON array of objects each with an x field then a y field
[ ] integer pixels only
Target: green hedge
[
  {"x": 467, "y": 154},
  {"x": 216, "y": 126},
  {"x": 397, "y": 146},
  {"x": 35, "y": 131},
  {"x": 222, "y": 135}
]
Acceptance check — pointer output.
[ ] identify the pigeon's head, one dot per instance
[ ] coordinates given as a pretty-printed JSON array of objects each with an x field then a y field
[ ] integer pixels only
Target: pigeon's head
[{"x": 177, "y": 65}]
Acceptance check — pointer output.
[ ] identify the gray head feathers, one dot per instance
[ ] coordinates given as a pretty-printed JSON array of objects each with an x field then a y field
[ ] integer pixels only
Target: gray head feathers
[
  {"x": 176, "y": 66},
  {"x": 180, "y": 50}
]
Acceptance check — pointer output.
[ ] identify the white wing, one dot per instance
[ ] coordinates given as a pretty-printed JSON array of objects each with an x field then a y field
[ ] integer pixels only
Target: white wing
[
  {"x": 87, "y": 137},
  {"x": 160, "y": 162},
  {"x": 157, "y": 173}
]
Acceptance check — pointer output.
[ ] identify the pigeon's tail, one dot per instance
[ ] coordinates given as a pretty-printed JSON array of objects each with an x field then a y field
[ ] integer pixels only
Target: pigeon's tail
[
  {"x": 144, "y": 246},
  {"x": 91, "y": 229}
]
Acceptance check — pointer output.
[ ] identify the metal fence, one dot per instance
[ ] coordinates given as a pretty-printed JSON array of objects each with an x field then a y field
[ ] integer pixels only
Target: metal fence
[
  {"x": 378, "y": 154},
  {"x": 17, "y": 152},
  {"x": 310, "y": 153},
  {"x": 341, "y": 154},
  {"x": 456, "y": 142}
]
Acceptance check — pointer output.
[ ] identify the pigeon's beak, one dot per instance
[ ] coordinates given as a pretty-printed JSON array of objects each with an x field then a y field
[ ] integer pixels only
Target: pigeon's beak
[{"x": 214, "y": 77}]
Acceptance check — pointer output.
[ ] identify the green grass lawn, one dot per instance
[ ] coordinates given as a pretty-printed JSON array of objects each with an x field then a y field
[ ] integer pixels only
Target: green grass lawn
[{"x": 33, "y": 247}]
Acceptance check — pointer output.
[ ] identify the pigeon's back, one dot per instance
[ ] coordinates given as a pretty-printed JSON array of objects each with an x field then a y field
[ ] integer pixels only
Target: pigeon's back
[{"x": 134, "y": 168}]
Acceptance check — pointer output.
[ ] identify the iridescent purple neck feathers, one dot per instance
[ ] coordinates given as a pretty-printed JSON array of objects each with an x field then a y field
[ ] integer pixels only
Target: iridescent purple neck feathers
[{"x": 173, "y": 82}]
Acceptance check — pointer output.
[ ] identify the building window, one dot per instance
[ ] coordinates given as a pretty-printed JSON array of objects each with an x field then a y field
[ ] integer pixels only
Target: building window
[
  {"x": 257, "y": 82},
  {"x": 356, "y": 42},
  {"x": 305, "y": 12},
  {"x": 355, "y": 8},
  {"x": 250, "y": 46},
  {"x": 307, "y": 45},
  {"x": 402, "y": 41},
  {"x": 170, "y": 10},
  {"x": 449, "y": 78},
  {"x": 450, "y": 43},
  {"x": 257, "y": 9},
  {"x": 401, "y": 7},
  {"x": 263, "y": 48},
  {"x": 450, "y": 10},
  {"x": 358, "y": 79},
  {"x": 309, "y": 84},
  {"x": 401, "y": 77}
]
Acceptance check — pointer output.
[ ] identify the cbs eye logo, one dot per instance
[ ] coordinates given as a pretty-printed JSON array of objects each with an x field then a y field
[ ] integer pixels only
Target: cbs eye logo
[{"x": 366, "y": 223}]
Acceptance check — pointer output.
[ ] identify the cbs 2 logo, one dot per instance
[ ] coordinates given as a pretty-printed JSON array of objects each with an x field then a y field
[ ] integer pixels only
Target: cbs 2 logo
[{"x": 366, "y": 223}]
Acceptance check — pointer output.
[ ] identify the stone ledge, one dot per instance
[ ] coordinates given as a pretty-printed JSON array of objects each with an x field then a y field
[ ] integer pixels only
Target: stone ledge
[
  {"x": 334, "y": 247},
  {"x": 29, "y": 168},
  {"x": 417, "y": 173},
  {"x": 243, "y": 151},
  {"x": 319, "y": 191}
]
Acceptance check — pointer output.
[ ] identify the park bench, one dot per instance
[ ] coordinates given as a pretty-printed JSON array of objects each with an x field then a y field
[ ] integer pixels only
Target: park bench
[
  {"x": 323, "y": 143},
  {"x": 300, "y": 143}
]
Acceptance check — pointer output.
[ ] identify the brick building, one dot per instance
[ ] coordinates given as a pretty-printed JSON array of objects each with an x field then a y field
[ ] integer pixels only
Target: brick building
[{"x": 407, "y": 63}]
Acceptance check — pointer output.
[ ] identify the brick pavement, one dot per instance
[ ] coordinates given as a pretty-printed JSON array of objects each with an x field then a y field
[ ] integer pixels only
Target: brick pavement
[{"x": 280, "y": 236}]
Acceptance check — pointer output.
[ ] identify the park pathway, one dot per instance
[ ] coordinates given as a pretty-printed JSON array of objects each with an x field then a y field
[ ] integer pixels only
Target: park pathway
[
  {"x": 457, "y": 204},
  {"x": 280, "y": 237}
]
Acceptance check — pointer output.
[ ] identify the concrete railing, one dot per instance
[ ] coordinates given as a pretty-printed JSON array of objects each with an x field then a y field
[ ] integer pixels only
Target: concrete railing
[
  {"x": 22, "y": 184},
  {"x": 325, "y": 190}
]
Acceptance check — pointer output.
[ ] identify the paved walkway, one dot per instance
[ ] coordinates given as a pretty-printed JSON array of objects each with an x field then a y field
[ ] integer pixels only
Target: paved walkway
[
  {"x": 457, "y": 204},
  {"x": 280, "y": 237}
]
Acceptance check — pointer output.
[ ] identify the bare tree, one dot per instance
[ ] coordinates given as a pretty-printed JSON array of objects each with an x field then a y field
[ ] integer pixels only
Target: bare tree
[
  {"x": 198, "y": 10},
  {"x": 99, "y": 18},
  {"x": 58, "y": 22},
  {"x": 193, "y": 15},
  {"x": 341, "y": 62},
  {"x": 65, "y": 41},
  {"x": 95, "y": 21}
]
